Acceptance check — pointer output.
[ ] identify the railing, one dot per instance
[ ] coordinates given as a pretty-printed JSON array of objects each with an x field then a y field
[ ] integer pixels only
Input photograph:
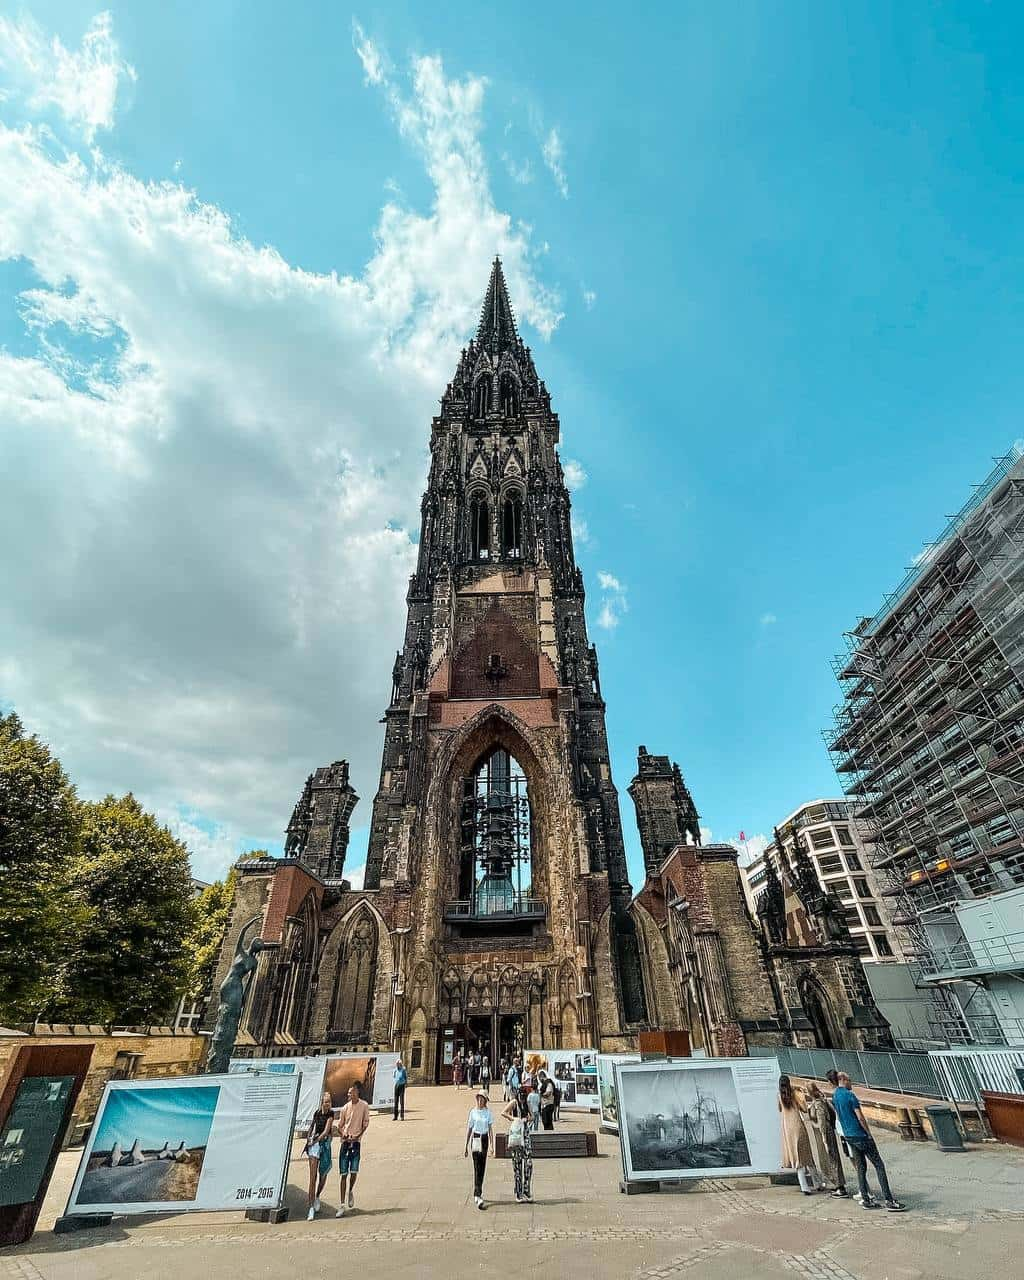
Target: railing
[
  {"x": 1004, "y": 952},
  {"x": 957, "y": 1074},
  {"x": 900, "y": 1072},
  {"x": 963, "y": 1072},
  {"x": 509, "y": 906}
]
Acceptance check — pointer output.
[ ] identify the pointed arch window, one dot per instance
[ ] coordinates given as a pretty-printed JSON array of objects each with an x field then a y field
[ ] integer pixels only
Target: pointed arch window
[
  {"x": 479, "y": 527},
  {"x": 512, "y": 527},
  {"x": 496, "y": 864},
  {"x": 509, "y": 393},
  {"x": 482, "y": 397}
]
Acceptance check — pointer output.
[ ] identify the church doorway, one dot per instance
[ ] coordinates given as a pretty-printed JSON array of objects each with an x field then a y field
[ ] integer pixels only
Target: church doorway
[
  {"x": 814, "y": 1006},
  {"x": 479, "y": 1033},
  {"x": 511, "y": 1035}
]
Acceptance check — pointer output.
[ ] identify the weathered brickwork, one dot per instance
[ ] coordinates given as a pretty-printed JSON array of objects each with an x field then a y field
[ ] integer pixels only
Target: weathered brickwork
[
  {"x": 495, "y": 911},
  {"x": 791, "y": 977}
]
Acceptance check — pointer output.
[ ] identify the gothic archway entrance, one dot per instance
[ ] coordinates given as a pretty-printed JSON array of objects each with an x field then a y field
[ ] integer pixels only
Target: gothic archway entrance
[{"x": 815, "y": 1006}]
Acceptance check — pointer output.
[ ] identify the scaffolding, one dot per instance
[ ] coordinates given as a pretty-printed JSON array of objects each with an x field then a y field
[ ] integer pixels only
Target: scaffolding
[{"x": 929, "y": 737}]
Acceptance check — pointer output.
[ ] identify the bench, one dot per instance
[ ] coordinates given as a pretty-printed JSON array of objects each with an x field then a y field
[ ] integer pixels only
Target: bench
[{"x": 549, "y": 1145}]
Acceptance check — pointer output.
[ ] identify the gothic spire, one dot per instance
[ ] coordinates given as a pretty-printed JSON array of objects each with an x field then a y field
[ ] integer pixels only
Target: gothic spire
[{"x": 497, "y": 329}]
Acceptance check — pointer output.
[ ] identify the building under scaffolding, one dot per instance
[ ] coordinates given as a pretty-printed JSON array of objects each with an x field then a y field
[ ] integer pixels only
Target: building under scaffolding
[{"x": 929, "y": 742}]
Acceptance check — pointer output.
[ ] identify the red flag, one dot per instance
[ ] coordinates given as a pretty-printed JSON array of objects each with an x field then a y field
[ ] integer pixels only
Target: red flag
[{"x": 742, "y": 835}]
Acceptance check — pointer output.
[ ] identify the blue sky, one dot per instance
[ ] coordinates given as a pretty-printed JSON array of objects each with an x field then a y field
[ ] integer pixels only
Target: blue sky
[
  {"x": 770, "y": 262},
  {"x": 156, "y": 1116}
]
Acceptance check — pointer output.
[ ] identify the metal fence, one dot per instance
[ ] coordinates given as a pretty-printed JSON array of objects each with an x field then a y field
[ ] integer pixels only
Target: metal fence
[
  {"x": 900, "y": 1072},
  {"x": 957, "y": 1074},
  {"x": 964, "y": 1072}
]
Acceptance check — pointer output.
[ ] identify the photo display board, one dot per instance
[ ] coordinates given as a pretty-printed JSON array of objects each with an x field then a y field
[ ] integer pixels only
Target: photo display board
[
  {"x": 704, "y": 1118},
  {"x": 606, "y": 1086},
  {"x": 373, "y": 1072},
  {"x": 310, "y": 1072},
  {"x": 336, "y": 1072},
  {"x": 574, "y": 1071},
  {"x": 186, "y": 1144}
]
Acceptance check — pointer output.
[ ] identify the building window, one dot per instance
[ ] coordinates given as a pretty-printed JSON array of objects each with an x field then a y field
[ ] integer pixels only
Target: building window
[
  {"x": 822, "y": 839},
  {"x": 482, "y": 397},
  {"x": 416, "y": 1057},
  {"x": 853, "y": 920},
  {"x": 512, "y": 527},
  {"x": 853, "y": 861},
  {"x": 495, "y": 861},
  {"x": 863, "y": 888},
  {"x": 830, "y": 865},
  {"x": 480, "y": 528},
  {"x": 882, "y": 944},
  {"x": 844, "y": 835},
  {"x": 871, "y": 914}
]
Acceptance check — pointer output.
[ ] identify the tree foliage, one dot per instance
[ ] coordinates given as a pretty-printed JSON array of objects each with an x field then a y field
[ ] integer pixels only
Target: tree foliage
[
  {"x": 40, "y": 824},
  {"x": 212, "y": 909},
  {"x": 127, "y": 961}
]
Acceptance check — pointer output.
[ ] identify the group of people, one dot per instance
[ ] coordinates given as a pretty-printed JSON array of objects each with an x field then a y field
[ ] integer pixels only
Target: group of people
[
  {"x": 473, "y": 1069},
  {"x": 816, "y": 1132},
  {"x": 531, "y": 1103},
  {"x": 350, "y": 1125},
  {"x": 831, "y": 1124}
]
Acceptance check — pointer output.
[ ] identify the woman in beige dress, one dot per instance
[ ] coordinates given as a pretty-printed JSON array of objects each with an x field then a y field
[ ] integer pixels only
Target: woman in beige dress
[
  {"x": 822, "y": 1117},
  {"x": 796, "y": 1146}
]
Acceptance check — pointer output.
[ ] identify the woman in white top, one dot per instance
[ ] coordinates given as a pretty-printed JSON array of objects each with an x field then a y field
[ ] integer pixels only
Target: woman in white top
[{"x": 478, "y": 1135}]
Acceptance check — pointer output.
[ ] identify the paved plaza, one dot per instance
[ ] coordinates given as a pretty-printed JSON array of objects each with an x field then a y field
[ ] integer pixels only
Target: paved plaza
[{"x": 415, "y": 1217}]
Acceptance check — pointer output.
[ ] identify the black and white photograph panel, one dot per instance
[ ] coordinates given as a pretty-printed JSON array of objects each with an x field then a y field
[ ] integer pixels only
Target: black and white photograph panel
[{"x": 681, "y": 1120}]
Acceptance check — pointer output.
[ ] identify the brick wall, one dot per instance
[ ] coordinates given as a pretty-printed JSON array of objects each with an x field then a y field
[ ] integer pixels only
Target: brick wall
[{"x": 162, "y": 1056}]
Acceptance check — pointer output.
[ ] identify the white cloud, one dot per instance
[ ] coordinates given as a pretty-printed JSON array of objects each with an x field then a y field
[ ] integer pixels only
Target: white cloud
[
  {"x": 214, "y": 459},
  {"x": 554, "y": 157},
  {"x": 768, "y": 619},
  {"x": 356, "y": 876},
  {"x": 369, "y": 55},
  {"x": 613, "y": 601},
  {"x": 81, "y": 85},
  {"x": 751, "y": 848},
  {"x": 575, "y": 476},
  {"x": 589, "y": 298},
  {"x": 520, "y": 171},
  {"x": 580, "y": 529}
]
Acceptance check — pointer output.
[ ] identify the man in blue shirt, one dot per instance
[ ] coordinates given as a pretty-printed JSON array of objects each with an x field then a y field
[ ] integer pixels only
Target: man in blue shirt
[
  {"x": 401, "y": 1080},
  {"x": 862, "y": 1146}
]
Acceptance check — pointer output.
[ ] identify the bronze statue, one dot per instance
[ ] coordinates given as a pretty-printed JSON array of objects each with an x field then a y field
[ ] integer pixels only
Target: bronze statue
[{"x": 232, "y": 997}]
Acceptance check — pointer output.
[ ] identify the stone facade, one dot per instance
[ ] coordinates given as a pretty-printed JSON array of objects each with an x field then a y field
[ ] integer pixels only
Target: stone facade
[
  {"x": 496, "y": 910},
  {"x": 496, "y": 904},
  {"x": 791, "y": 977}
]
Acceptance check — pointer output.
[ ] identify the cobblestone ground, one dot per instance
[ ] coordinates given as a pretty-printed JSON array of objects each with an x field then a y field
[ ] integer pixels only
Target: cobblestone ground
[{"x": 415, "y": 1218}]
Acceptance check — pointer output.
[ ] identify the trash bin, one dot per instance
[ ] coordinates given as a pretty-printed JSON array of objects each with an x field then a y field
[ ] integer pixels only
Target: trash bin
[{"x": 945, "y": 1128}]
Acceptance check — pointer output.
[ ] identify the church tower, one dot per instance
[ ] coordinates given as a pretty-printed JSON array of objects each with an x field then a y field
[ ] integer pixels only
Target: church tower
[{"x": 495, "y": 836}]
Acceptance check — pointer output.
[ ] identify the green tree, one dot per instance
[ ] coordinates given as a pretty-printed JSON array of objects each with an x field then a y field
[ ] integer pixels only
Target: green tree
[
  {"x": 212, "y": 909},
  {"x": 128, "y": 962},
  {"x": 39, "y": 834}
]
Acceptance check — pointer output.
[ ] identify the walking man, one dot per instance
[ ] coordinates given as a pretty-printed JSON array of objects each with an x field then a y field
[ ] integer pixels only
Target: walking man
[
  {"x": 401, "y": 1080},
  {"x": 352, "y": 1124},
  {"x": 485, "y": 1075},
  {"x": 862, "y": 1146}
]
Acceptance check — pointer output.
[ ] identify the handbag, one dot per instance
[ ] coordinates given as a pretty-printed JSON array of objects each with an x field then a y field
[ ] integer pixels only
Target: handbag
[
  {"x": 515, "y": 1135},
  {"x": 477, "y": 1143},
  {"x": 313, "y": 1150}
]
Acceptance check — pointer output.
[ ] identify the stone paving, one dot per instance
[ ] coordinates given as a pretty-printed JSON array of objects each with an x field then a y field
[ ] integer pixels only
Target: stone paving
[{"x": 415, "y": 1218}]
